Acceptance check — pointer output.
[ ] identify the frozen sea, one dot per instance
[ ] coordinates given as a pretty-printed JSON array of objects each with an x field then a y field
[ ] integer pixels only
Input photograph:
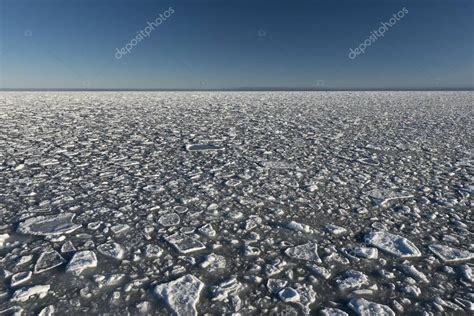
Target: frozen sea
[{"x": 280, "y": 203}]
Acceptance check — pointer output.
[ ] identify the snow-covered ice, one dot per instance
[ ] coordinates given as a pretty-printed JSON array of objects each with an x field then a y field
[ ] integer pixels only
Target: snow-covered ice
[{"x": 181, "y": 295}]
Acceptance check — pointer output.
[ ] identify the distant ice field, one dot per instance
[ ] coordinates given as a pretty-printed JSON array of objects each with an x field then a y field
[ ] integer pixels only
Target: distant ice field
[{"x": 283, "y": 203}]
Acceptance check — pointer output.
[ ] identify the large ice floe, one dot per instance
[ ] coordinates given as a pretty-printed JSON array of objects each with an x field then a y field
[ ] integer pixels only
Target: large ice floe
[
  {"x": 181, "y": 295},
  {"x": 230, "y": 203},
  {"x": 49, "y": 225},
  {"x": 394, "y": 244}
]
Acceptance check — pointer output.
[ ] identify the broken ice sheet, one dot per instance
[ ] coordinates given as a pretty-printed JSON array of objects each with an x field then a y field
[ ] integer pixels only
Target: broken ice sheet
[
  {"x": 52, "y": 225},
  {"x": 181, "y": 295},
  {"x": 393, "y": 244}
]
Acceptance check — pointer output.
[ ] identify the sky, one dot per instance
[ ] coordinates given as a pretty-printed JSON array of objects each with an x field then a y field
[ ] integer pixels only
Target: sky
[{"x": 231, "y": 44}]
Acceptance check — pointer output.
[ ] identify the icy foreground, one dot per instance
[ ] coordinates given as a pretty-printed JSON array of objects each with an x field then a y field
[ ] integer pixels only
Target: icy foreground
[{"x": 356, "y": 203}]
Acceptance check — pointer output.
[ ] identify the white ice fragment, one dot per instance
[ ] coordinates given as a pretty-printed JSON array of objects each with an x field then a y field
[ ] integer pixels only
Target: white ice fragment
[
  {"x": 393, "y": 244},
  {"x": 24, "y": 294},
  {"x": 223, "y": 290},
  {"x": 335, "y": 230},
  {"x": 81, "y": 261},
  {"x": 48, "y": 260},
  {"x": 319, "y": 271},
  {"x": 47, "y": 311},
  {"x": 169, "y": 220},
  {"x": 207, "y": 230},
  {"x": 351, "y": 280},
  {"x": 184, "y": 244},
  {"x": 308, "y": 252},
  {"x": 119, "y": 228},
  {"x": 466, "y": 272},
  {"x": 364, "y": 252},
  {"x": 332, "y": 312},
  {"x": 3, "y": 239},
  {"x": 153, "y": 251},
  {"x": 181, "y": 295},
  {"x": 362, "y": 307},
  {"x": 449, "y": 254},
  {"x": 203, "y": 147},
  {"x": 414, "y": 273},
  {"x": 112, "y": 250},
  {"x": 382, "y": 197},
  {"x": 68, "y": 246},
  {"x": 298, "y": 227},
  {"x": 213, "y": 262},
  {"x": 53, "y": 225}
]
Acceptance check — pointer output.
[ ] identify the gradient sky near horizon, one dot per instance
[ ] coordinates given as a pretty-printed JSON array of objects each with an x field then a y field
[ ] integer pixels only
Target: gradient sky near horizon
[{"x": 211, "y": 44}]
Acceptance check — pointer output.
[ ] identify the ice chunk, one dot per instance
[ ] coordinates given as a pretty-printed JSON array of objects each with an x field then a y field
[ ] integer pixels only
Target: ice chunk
[
  {"x": 362, "y": 307},
  {"x": 112, "y": 250},
  {"x": 181, "y": 295},
  {"x": 466, "y": 272},
  {"x": 299, "y": 227},
  {"x": 393, "y": 244},
  {"x": 169, "y": 220},
  {"x": 352, "y": 280},
  {"x": 335, "y": 230},
  {"x": 364, "y": 252},
  {"x": 184, "y": 244},
  {"x": 48, "y": 260},
  {"x": 213, "y": 262},
  {"x": 203, "y": 147},
  {"x": 449, "y": 254},
  {"x": 308, "y": 252},
  {"x": 81, "y": 261},
  {"x": 153, "y": 251},
  {"x": 333, "y": 312},
  {"x": 68, "y": 246},
  {"x": 119, "y": 229},
  {"x": 382, "y": 197},
  {"x": 319, "y": 271},
  {"x": 24, "y": 294},
  {"x": 3, "y": 239},
  {"x": 225, "y": 289},
  {"x": 207, "y": 230},
  {"x": 20, "y": 278},
  {"x": 47, "y": 311},
  {"x": 49, "y": 225},
  {"x": 289, "y": 295},
  {"x": 414, "y": 273}
]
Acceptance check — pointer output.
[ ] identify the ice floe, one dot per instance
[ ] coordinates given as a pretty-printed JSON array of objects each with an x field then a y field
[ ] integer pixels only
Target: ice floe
[
  {"x": 394, "y": 244},
  {"x": 48, "y": 260},
  {"x": 82, "y": 261},
  {"x": 450, "y": 254},
  {"x": 181, "y": 295},
  {"x": 52, "y": 225}
]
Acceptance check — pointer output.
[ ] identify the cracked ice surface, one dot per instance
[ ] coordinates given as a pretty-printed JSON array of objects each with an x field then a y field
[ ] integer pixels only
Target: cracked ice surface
[{"x": 336, "y": 203}]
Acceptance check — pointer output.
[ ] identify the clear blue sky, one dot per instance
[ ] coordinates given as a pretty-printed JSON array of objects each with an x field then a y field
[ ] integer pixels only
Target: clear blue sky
[{"x": 231, "y": 44}]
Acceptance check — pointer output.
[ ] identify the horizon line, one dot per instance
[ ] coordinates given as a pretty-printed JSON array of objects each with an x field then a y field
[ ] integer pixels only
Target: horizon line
[{"x": 239, "y": 89}]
